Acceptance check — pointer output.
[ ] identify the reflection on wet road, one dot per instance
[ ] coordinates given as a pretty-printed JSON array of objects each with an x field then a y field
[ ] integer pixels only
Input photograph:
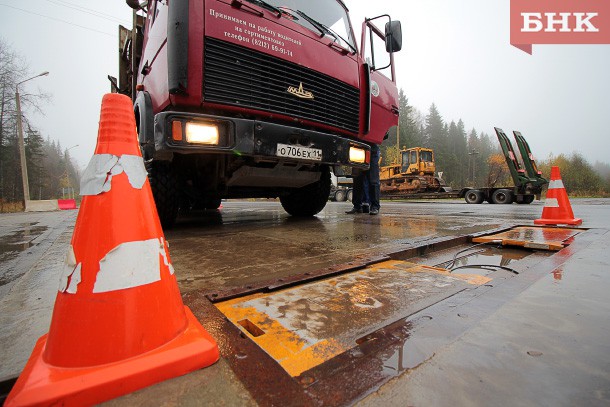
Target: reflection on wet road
[
  {"x": 246, "y": 242},
  {"x": 19, "y": 240}
]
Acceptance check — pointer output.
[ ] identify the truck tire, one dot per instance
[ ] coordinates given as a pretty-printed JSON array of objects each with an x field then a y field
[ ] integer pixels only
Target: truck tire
[
  {"x": 339, "y": 195},
  {"x": 473, "y": 196},
  {"x": 164, "y": 185},
  {"x": 502, "y": 196},
  {"x": 212, "y": 203},
  {"x": 525, "y": 199},
  {"x": 308, "y": 200},
  {"x": 350, "y": 195}
]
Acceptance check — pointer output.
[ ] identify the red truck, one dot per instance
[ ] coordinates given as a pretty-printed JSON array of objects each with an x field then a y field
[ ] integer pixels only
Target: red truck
[{"x": 252, "y": 98}]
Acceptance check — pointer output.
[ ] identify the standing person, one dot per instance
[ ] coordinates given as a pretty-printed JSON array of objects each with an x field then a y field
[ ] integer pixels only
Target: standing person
[
  {"x": 359, "y": 199},
  {"x": 366, "y": 187},
  {"x": 373, "y": 181},
  {"x": 366, "y": 200}
]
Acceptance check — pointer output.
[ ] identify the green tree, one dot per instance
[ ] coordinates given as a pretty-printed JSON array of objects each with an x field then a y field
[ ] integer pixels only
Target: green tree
[
  {"x": 409, "y": 133},
  {"x": 603, "y": 170},
  {"x": 34, "y": 152},
  {"x": 457, "y": 165},
  {"x": 436, "y": 137},
  {"x": 578, "y": 176},
  {"x": 474, "y": 146},
  {"x": 13, "y": 70}
]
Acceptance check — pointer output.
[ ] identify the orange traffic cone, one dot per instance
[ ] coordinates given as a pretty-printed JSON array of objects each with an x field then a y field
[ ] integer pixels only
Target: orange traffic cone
[
  {"x": 119, "y": 323},
  {"x": 557, "y": 209}
]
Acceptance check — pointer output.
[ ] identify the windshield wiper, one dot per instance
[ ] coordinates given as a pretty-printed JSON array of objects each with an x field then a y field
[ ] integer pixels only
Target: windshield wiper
[
  {"x": 265, "y": 5},
  {"x": 324, "y": 30}
]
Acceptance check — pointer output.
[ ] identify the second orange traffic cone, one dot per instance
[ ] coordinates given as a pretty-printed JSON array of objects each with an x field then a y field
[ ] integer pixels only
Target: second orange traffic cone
[
  {"x": 557, "y": 209},
  {"x": 119, "y": 323}
]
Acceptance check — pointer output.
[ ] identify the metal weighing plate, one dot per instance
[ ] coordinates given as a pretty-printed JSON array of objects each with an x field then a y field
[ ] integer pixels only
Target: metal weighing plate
[
  {"x": 532, "y": 237},
  {"x": 358, "y": 325},
  {"x": 304, "y": 326}
]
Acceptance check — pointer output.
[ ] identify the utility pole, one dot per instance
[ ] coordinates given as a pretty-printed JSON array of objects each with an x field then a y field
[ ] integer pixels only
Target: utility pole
[
  {"x": 473, "y": 153},
  {"x": 67, "y": 175},
  {"x": 398, "y": 142},
  {"x": 24, "y": 169},
  {"x": 2, "y": 142}
]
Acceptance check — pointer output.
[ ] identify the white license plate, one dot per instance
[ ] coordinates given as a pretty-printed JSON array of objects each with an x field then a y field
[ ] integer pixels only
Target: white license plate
[{"x": 304, "y": 153}]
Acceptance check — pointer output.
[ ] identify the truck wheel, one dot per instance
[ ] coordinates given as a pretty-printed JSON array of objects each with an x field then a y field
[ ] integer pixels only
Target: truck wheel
[
  {"x": 502, "y": 196},
  {"x": 525, "y": 199},
  {"x": 164, "y": 185},
  {"x": 212, "y": 203},
  {"x": 350, "y": 194},
  {"x": 308, "y": 200},
  {"x": 474, "y": 196},
  {"x": 339, "y": 195}
]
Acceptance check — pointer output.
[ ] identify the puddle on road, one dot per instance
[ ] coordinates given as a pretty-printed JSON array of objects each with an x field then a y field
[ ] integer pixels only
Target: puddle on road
[
  {"x": 11, "y": 245},
  {"x": 476, "y": 260}
]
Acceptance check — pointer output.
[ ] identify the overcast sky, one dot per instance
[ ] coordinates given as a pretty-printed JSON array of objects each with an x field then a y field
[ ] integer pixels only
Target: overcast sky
[{"x": 455, "y": 54}]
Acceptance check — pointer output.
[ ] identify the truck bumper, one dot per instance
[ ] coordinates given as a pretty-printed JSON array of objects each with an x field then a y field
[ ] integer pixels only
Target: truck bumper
[{"x": 253, "y": 138}]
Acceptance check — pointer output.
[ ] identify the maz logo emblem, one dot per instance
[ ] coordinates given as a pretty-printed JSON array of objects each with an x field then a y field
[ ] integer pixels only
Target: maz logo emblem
[{"x": 303, "y": 94}]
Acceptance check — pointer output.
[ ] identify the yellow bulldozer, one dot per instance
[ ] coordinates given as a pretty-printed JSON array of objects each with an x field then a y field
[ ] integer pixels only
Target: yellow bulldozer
[{"x": 415, "y": 174}]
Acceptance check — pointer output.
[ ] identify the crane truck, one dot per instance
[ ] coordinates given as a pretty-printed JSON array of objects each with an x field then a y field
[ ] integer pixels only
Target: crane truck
[{"x": 253, "y": 98}]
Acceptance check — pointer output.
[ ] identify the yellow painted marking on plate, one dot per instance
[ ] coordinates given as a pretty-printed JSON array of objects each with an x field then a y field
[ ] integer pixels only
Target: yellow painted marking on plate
[
  {"x": 279, "y": 342},
  {"x": 283, "y": 345},
  {"x": 313, "y": 356}
]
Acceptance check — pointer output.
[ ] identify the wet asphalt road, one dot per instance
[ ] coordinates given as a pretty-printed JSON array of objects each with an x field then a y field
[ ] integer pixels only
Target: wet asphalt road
[{"x": 245, "y": 242}]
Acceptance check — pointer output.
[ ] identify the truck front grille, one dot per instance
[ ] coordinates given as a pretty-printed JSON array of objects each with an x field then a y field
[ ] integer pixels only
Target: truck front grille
[{"x": 239, "y": 76}]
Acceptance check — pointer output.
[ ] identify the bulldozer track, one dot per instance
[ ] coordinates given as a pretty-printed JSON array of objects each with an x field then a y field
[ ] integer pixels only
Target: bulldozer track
[{"x": 420, "y": 195}]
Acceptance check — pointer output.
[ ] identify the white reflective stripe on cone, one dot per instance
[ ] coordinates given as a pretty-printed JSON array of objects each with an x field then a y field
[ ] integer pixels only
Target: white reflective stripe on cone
[
  {"x": 551, "y": 203},
  {"x": 556, "y": 184},
  {"x": 98, "y": 175},
  {"x": 70, "y": 275},
  {"x": 131, "y": 264},
  {"x": 164, "y": 255}
]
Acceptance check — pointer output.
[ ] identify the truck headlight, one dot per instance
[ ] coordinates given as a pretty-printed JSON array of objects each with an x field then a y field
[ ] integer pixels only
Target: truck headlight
[
  {"x": 357, "y": 155},
  {"x": 202, "y": 133}
]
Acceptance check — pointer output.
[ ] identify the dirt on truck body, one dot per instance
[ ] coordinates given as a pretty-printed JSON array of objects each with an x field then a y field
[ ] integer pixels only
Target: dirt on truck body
[{"x": 245, "y": 98}]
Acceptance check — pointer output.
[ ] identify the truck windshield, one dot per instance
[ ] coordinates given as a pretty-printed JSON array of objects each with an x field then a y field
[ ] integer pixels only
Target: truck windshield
[{"x": 326, "y": 17}]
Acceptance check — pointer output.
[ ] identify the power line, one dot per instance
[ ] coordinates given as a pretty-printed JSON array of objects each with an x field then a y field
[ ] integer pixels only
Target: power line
[
  {"x": 57, "y": 19},
  {"x": 86, "y": 10}
]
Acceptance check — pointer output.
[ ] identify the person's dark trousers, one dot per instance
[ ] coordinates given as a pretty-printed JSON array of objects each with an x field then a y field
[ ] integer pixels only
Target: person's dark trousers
[
  {"x": 358, "y": 191},
  {"x": 373, "y": 178},
  {"x": 366, "y": 187}
]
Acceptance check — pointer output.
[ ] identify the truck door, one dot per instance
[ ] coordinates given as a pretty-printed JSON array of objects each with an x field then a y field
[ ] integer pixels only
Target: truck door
[
  {"x": 383, "y": 92},
  {"x": 152, "y": 72}
]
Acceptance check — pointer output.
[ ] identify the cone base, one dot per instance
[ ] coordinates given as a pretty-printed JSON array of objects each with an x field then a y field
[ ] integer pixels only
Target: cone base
[
  {"x": 574, "y": 221},
  {"x": 43, "y": 384}
]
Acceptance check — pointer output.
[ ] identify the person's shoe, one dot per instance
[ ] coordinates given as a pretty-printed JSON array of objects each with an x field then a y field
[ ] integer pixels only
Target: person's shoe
[
  {"x": 354, "y": 210},
  {"x": 365, "y": 208},
  {"x": 374, "y": 211}
]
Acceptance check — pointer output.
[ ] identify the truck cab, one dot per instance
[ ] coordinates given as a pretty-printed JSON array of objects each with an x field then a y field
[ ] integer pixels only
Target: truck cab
[{"x": 251, "y": 98}]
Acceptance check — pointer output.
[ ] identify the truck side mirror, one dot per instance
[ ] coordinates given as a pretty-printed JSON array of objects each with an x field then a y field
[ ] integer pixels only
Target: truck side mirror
[
  {"x": 135, "y": 4},
  {"x": 393, "y": 36}
]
